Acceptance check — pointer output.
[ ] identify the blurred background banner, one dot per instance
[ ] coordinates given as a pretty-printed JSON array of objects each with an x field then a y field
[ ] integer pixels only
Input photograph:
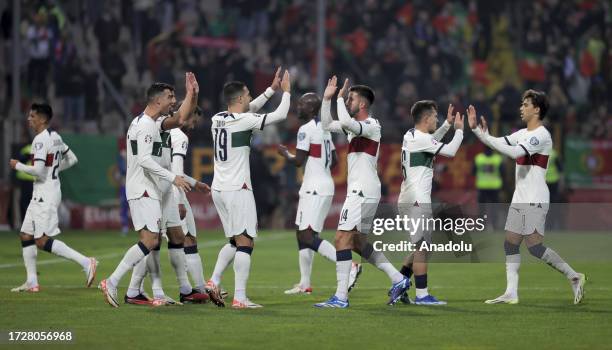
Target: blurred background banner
[
  {"x": 588, "y": 163},
  {"x": 95, "y": 180}
]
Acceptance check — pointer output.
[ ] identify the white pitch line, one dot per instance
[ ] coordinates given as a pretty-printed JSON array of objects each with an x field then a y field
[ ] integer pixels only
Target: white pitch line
[{"x": 208, "y": 244}]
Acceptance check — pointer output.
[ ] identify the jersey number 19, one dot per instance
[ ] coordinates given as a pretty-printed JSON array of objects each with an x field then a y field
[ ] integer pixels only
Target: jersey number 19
[{"x": 220, "y": 144}]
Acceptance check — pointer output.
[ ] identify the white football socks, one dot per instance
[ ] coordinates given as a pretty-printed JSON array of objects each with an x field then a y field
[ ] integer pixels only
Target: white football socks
[
  {"x": 242, "y": 267},
  {"x": 60, "y": 248},
  {"x": 154, "y": 269},
  {"x": 195, "y": 269},
  {"x": 553, "y": 259},
  {"x": 513, "y": 263},
  {"x": 343, "y": 270},
  {"x": 131, "y": 258},
  {"x": 305, "y": 258},
  {"x": 177, "y": 260},
  {"x": 138, "y": 274},
  {"x": 225, "y": 257},
  {"x": 327, "y": 250},
  {"x": 29, "y": 259}
]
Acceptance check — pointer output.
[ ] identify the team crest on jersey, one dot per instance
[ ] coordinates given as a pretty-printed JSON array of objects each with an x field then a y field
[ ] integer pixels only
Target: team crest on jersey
[
  {"x": 148, "y": 139},
  {"x": 534, "y": 141},
  {"x": 367, "y": 122},
  {"x": 38, "y": 145},
  {"x": 301, "y": 136},
  {"x": 434, "y": 141}
]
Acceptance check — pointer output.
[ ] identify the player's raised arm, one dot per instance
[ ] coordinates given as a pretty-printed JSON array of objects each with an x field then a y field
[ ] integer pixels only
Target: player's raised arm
[
  {"x": 443, "y": 129},
  {"x": 500, "y": 144},
  {"x": 327, "y": 122},
  {"x": 261, "y": 100},
  {"x": 281, "y": 111},
  {"x": 187, "y": 107},
  {"x": 451, "y": 148},
  {"x": 344, "y": 117}
]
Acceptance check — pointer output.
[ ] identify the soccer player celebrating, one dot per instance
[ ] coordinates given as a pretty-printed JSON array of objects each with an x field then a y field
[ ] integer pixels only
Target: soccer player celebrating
[
  {"x": 315, "y": 148},
  {"x": 363, "y": 193},
  {"x": 171, "y": 224},
  {"x": 50, "y": 155},
  {"x": 419, "y": 149},
  {"x": 144, "y": 173},
  {"x": 232, "y": 191},
  {"x": 530, "y": 147},
  {"x": 180, "y": 144}
]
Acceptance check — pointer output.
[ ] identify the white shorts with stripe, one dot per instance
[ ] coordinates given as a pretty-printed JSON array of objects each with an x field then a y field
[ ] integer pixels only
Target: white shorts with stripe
[
  {"x": 312, "y": 211},
  {"x": 525, "y": 219},
  {"x": 146, "y": 214},
  {"x": 41, "y": 218},
  {"x": 237, "y": 212},
  {"x": 358, "y": 213}
]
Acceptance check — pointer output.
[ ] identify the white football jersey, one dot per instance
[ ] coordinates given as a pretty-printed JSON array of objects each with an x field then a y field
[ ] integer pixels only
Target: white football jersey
[
  {"x": 142, "y": 137},
  {"x": 231, "y": 134},
  {"x": 319, "y": 145},
  {"x": 530, "y": 170},
  {"x": 180, "y": 144},
  {"x": 418, "y": 153},
  {"x": 362, "y": 179},
  {"x": 166, "y": 152},
  {"x": 48, "y": 147}
]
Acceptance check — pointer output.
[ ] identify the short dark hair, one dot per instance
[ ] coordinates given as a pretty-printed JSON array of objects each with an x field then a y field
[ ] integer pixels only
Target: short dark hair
[
  {"x": 232, "y": 89},
  {"x": 420, "y": 108},
  {"x": 365, "y": 92},
  {"x": 43, "y": 108},
  {"x": 156, "y": 89},
  {"x": 538, "y": 99}
]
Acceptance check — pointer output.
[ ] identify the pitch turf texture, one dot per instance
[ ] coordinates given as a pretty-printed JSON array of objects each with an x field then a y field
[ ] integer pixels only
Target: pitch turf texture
[{"x": 545, "y": 318}]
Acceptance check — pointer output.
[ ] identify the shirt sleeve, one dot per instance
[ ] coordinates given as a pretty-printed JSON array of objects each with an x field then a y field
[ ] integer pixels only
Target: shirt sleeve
[
  {"x": 179, "y": 146},
  {"x": 426, "y": 143},
  {"x": 303, "y": 139},
  {"x": 512, "y": 139},
  {"x": 40, "y": 149}
]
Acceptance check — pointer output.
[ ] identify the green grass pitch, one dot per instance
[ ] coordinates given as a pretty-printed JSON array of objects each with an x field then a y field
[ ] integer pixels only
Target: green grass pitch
[{"x": 545, "y": 318}]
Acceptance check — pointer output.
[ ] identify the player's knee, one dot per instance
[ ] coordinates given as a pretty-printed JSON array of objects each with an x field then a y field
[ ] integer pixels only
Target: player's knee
[
  {"x": 305, "y": 239},
  {"x": 190, "y": 240},
  {"x": 244, "y": 249},
  {"x": 537, "y": 250},
  {"x": 41, "y": 242},
  {"x": 511, "y": 248}
]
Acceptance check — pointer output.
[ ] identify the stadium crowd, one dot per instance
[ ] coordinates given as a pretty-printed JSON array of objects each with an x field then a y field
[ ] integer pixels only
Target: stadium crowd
[{"x": 481, "y": 52}]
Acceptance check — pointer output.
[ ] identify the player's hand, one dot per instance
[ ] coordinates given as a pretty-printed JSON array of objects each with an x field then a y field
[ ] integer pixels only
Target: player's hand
[
  {"x": 459, "y": 121},
  {"x": 277, "y": 80},
  {"x": 331, "y": 88},
  {"x": 483, "y": 125},
  {"x": 180, "y": 182},
  {"x": 471, "y": 114},
  {"x": 449, "y": 115},
  {"x": 344, "y": 90},
  {"x": 286, "y": 82},
  {"x": 182, "y": 211},
  {"x": 283, "y": 151},
  {"x": 13, "y": 163},
  {"x": 194, "y": 83},
  {"x": 202, "y": 187}
]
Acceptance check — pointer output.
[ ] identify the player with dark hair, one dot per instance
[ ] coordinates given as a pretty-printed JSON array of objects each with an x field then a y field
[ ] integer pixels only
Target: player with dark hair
[
  {"x": 530, "y": 147},
  {"x": 232, "y": 191},
  {"x": 363, "y": 193},
  {"x": 420, "y": 146},
  {"x": 50, "y": 155},
  {"x": 148, "y": 182}
]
